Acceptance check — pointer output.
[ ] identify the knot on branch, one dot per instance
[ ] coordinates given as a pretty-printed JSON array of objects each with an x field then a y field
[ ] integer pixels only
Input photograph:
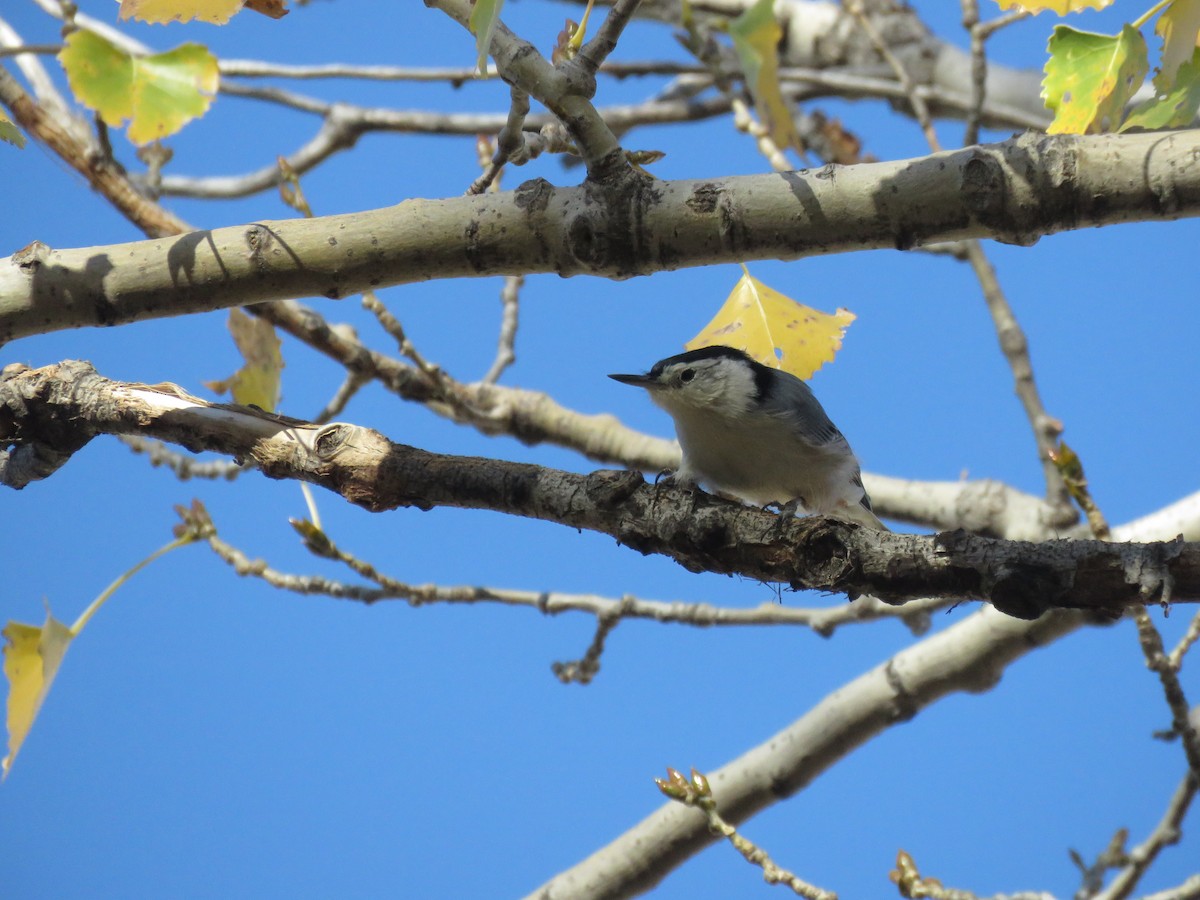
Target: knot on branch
[{"x": 40, "y": 418}]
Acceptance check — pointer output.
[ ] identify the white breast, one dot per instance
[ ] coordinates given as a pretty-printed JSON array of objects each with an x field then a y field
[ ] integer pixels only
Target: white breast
[{"x": 763, "y": 462}]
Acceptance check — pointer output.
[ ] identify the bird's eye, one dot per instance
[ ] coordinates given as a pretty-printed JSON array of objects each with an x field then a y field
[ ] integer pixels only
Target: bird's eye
[{"x": 687, "y": 375}]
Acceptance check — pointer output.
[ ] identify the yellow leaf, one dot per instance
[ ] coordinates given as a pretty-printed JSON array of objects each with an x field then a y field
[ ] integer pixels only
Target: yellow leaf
[
  {"x": 159, "y": 93},
  {"x": 756, "y": 35},
  {"x": 160, "y": 12},
  {"x": 1062, "y": 7},
  {"x": 217, "y": 12},
  {"x": 32, "y": 656},
  {"x": 576, "y": 40},
  {"x": 257, "y": 382},
  {"x": 775, "y": 329}
]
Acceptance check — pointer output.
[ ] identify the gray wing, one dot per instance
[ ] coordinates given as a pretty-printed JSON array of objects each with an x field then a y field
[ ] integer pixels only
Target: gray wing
[{"x": 792, "y": 401}]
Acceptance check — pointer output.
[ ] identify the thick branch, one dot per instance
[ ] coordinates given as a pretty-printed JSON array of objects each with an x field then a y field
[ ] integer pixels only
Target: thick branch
[
  {"x": 969, "y": 656},
  {"x": 49, "y": 413},
  {"x": 1015, "y": 191},
  {"x": 533, "y": 417}
]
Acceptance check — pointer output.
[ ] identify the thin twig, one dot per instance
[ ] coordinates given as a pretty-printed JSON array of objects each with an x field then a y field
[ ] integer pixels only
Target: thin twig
[
  {"x": 593, "y": 54},
  {"x": 700, "y": 43},
  {"x": 1166, "y": 833},
  {"x": 457, "y": 76},
  {"x": 970, "y": 21},
  {"x": 919, "y": 107},
  {"x": 1015, "y": 347},
  {"x": 582, "y": 671},
  {"x": 1155, "y": 586},
  {"x": 506, "y": 354},
  {"x": 1114, "y": 856},
  {"x": 392, "y": 326},
  {"x": 979, "y": 33},
  {"x": 345, "y": 123},
  {"x": 910, "y": 883},
  {"x": 700, "y": 615},
  {"x": 184, "y": 467},
  {"x": 37, "y": 49},
  {"x": 510, "y": 143},
  {"x": 350, "y": 386},
  {"x": 746, "y": 122},
  {"x": 696, "y": 792},
  {"x": 1158, "y": 662},
  {"x": 1175, "y": 657},
  {"x": 991, "y": 27},
  {"x": 43, "y": 86}
]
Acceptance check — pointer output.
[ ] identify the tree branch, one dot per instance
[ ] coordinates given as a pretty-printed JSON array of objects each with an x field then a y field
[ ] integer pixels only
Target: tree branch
[
  {"x": 568, "y": 97},
  {"x": 47, "y": 414},
  {"x": 1015, "y": 191},
  {"x": 969, "y": 656},
  {"x": 983, "y": 506},
  {"x": 822, "y": 620},
  {"x": 534, "y": 417}
]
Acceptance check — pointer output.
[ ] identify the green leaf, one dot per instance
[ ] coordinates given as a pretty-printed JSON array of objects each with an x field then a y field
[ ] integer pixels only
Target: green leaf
[
  {"x": 484, "y": 16},
  {"x": 158, "y": 94},
  {"x": 10, "y": 133},
  {"x": 1090, "y": 77},
  {"x": 756, "y": 35},
  {"x": 1177, "y": 26},
  {"x": 1174, "y": 109}
]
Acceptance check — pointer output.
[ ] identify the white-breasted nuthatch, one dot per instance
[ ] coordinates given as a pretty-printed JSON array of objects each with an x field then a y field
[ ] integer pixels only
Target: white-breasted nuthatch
[{"x": 757, "y": 434}]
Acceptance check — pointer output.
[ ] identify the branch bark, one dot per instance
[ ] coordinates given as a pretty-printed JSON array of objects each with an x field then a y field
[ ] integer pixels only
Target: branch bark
[
  {"x": 1015, "y": 191},
  {"x": 969, "y": 656},
  {"x": 47, "y": 414}
]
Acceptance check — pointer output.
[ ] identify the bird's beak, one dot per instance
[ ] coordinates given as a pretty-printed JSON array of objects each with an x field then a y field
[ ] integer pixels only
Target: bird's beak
[{"x": 644, "y": 381}]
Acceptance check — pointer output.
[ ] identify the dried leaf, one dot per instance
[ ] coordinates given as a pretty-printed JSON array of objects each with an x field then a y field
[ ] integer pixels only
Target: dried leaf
[{"x": 257, "y": 382}]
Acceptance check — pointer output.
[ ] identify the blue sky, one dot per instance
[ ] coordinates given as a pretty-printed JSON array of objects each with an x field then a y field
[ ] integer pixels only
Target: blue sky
[{"x": 209, "y": 736}]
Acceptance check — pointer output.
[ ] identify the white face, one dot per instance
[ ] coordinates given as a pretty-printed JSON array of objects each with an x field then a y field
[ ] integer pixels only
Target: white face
[{"x": 720, "y": 386}]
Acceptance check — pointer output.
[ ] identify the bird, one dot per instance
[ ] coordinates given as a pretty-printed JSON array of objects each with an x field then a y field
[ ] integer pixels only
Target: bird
[{"x": 757, "y": 434}]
